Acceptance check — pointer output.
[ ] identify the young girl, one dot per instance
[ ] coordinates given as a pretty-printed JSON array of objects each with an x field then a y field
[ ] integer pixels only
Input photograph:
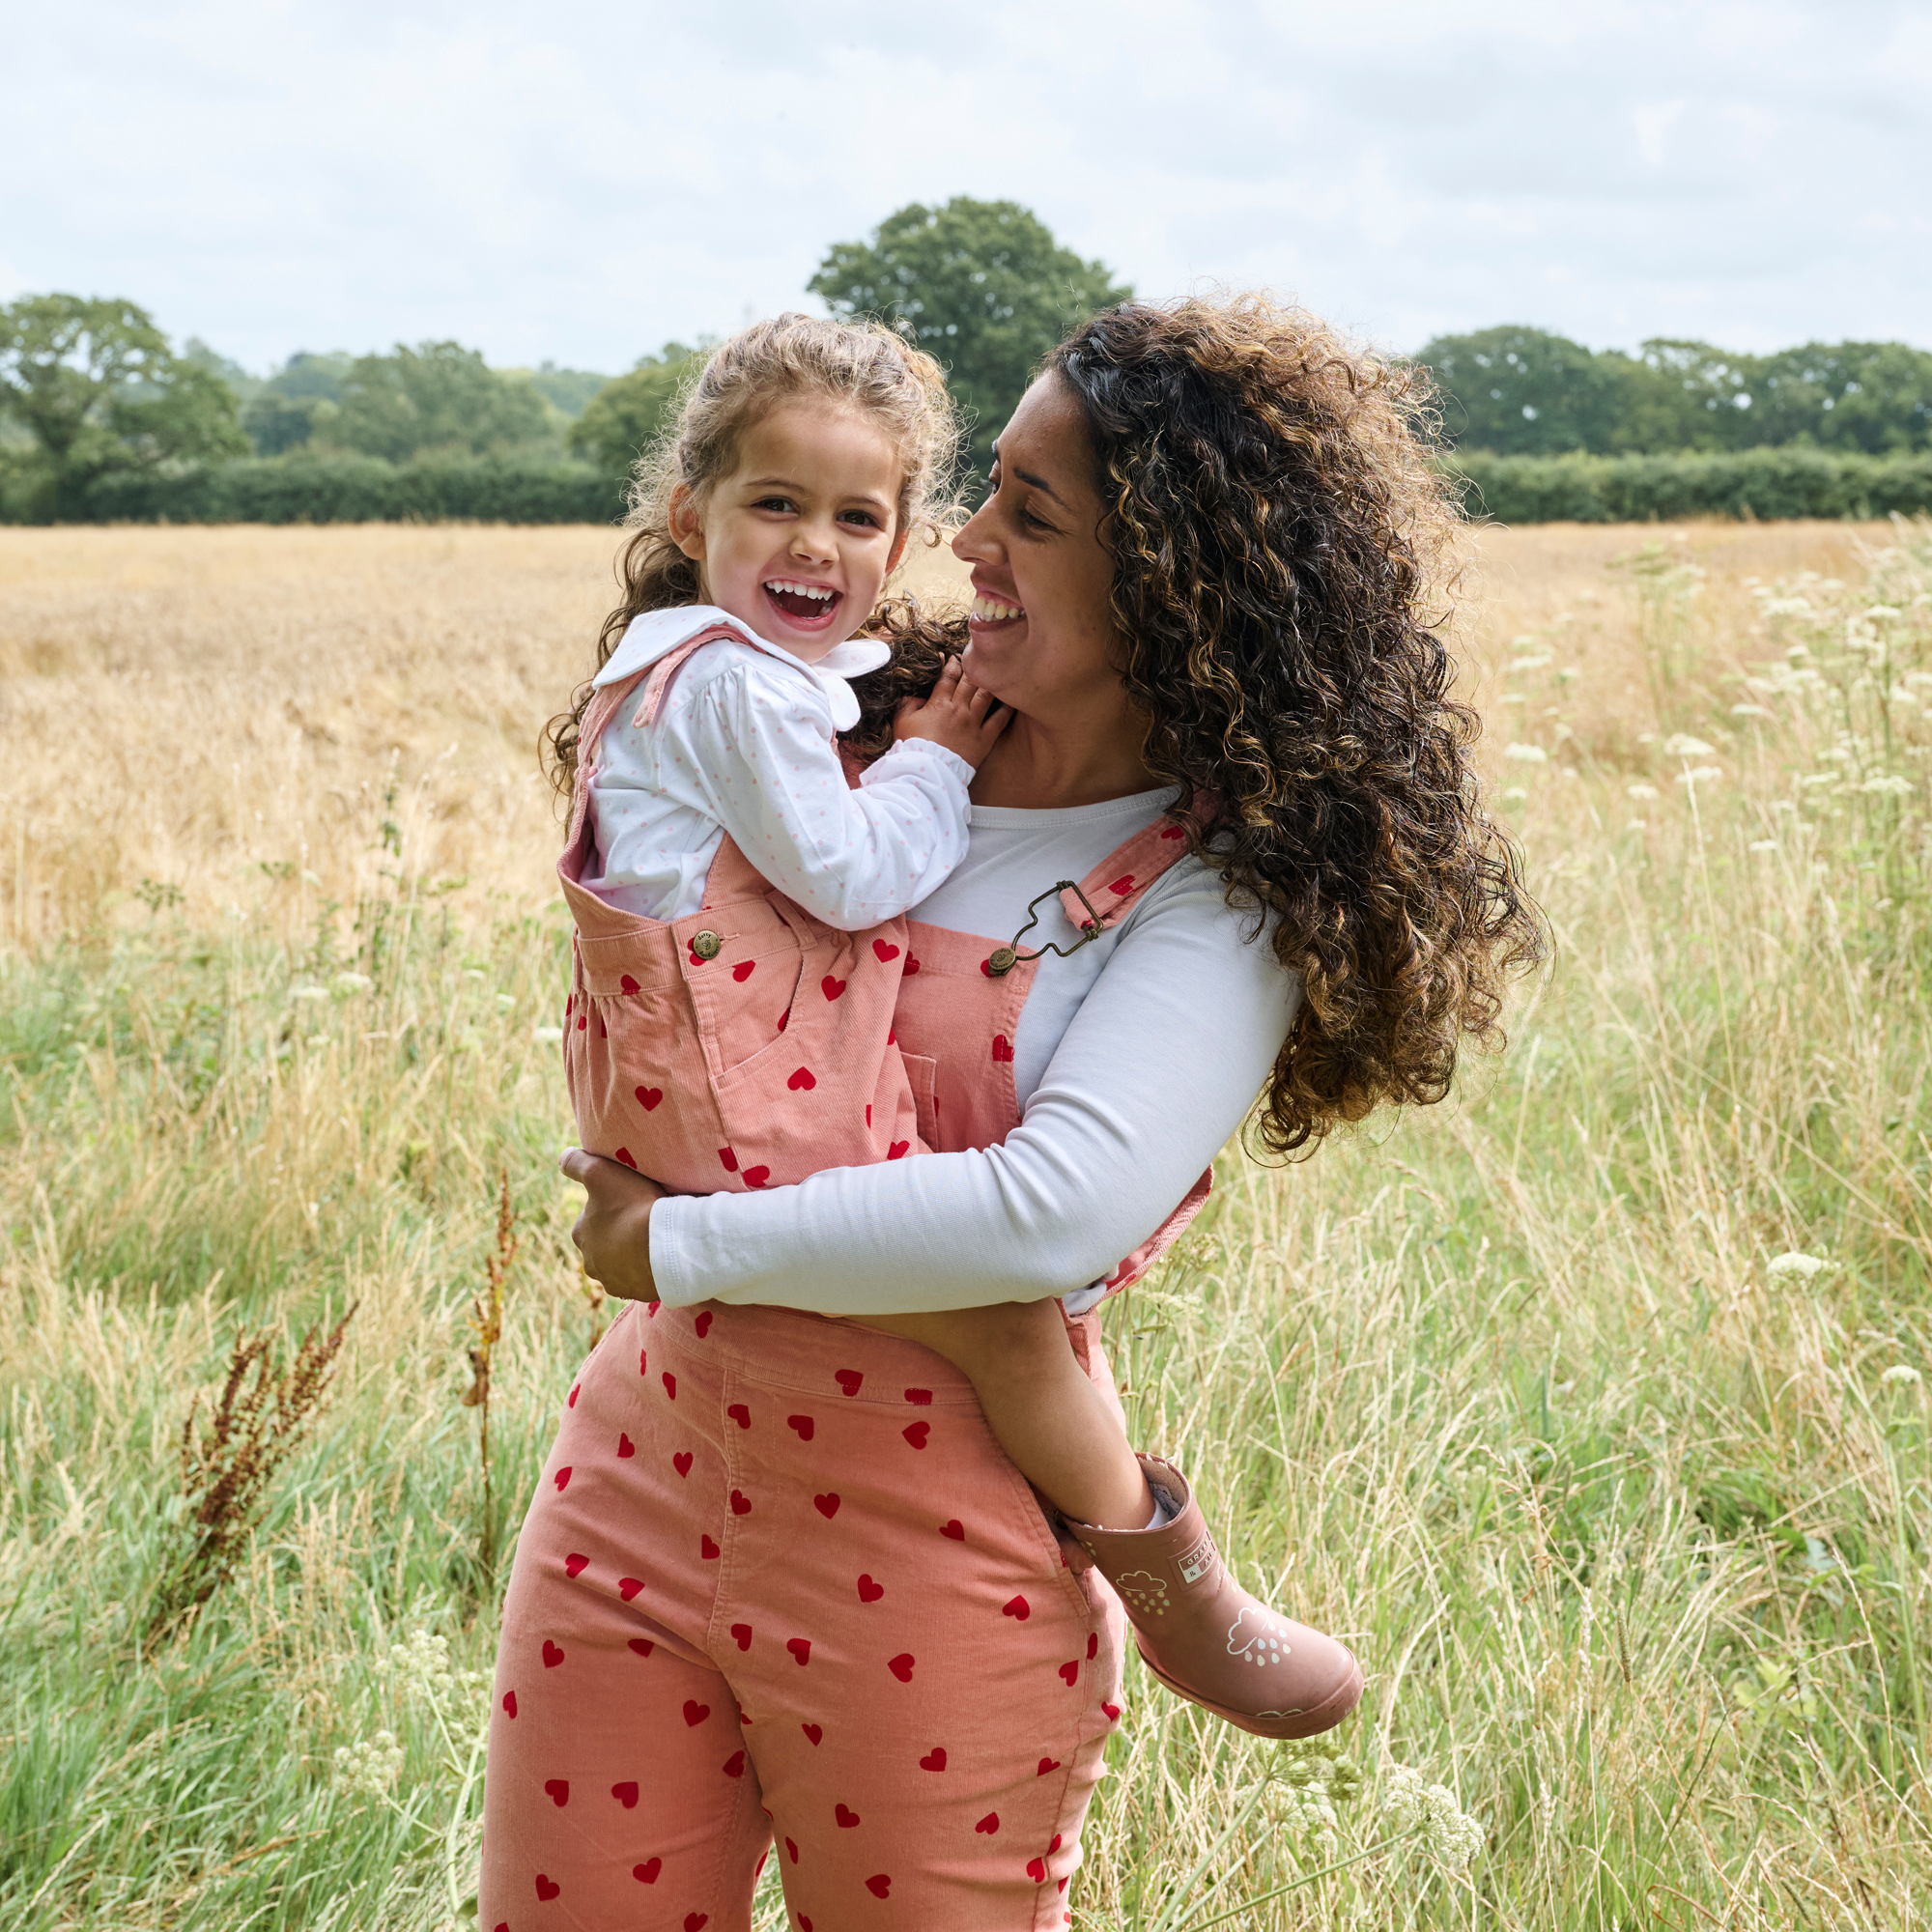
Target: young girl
[{"x": 740, "y": 907}]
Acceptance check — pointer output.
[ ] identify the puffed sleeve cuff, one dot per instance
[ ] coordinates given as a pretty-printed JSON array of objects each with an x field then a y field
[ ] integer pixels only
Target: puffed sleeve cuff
[{"x": 922, "y": 755}]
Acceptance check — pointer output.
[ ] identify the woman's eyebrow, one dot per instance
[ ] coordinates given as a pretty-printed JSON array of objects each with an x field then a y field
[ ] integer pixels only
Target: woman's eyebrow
[{"x": 1027, "y": 476}]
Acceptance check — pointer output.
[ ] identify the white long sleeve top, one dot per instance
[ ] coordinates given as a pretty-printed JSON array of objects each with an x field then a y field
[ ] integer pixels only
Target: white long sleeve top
[
  {"x": 1136, "y": 1059},
  {"x": 743, "y": 743}
]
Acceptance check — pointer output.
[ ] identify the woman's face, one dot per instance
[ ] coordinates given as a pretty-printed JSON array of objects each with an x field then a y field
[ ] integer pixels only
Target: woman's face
[{"x": 1044, "y": 636}]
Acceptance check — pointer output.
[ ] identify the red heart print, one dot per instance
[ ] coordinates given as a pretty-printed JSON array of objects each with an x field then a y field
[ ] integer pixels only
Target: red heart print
[
  {"x": 741, "y": 1413},
  {"x": 847, "y": 1817},
  {"x": 1123, "y": 886},
  {"x": 694, "y": 1713},
  {"x": 626, "y": 1794},
  {"x": 583, "y": 1022},
  {"x": 849, "y": 1380},
  {"x": 757, "y": 1177},
  {"x": 868, "y": 1116},
  {"x": 830, "y": 986},
  {"x": 1047, "y": 1764},
  {"x": 1092, "y": 1645},
  {"x": 644, "y": 1357},
  {"x": 791, "y": 1849},
  {"x": 557, "y": 1791},
  {"x": 569, "y": 1002},
  {"x": 934, "y": 1759},
  {"x": 1016, "y": 1607},
  {"x": 743, "y": 970},
  {"x": 1113, "y": 1711},
  {"x": 902, "y": 1665},
  {"x": 741, "y": 1503},
  {"x": 563, "y": 1479},
  {"x": 955, "y": 1529},
  {"x": 681, "y": 1462},
  {"x": 826, "y": 1506},
  {"x": 1173, "y": 832},
  {"x": 915, "y": 1433},
  {"x": 647, "y": 1872},
  {"x": 649, "y": 1097},
  {"x": 911, "y": 966},
  {"x": 729, "y": 1159},
  {"x": 990, "y": 1824},
  {"x": 553, "y": 1655},
  {"x": 696, "y": 1921},
  {"x": 574, "y": 1565},
  {"x": 1036, "y": 1870},
  {"x": 741, "y": 1635},
  {"x": 671, "y": 1385},
  {"x": 880, "y": 1885},
  {"x": 919, "y": 1398},
  {"x": 695, "y": 956},
  {"x": 802, "y": 1424},
  {"x": 870, "y": 1592},
  {"x": 627, "y": 985},
  {"x": 643, "y": 1645},
  {"x": 547, "y": 1890},
  {"x": 784, "y": 1020},
  {"x": 800, "y": 1648},
  {"x": 570, "y": 1401},
  {"x": 801, "y": 1082},
  {"x": 509, "y": 1704},
  {"x": 707, "y": 1549},
  {"x": 1055, "y": 1846},
  {"x": 884, "y": 950},
  {"x": 899, "y": 1149},
  {"x": 625, "y": 1155},
  {"x": 1069, "y": 1673},
  {"x": 893, "y": 1040},
  {"x": 734, "y": 1765},
  {"x": 986, "y": 967},
  {"x": 812, "y": 1732},
  {"x": 1003, "y": 1048},
  {"x": 701, "y": 1327},
  {"x": 625, "y": 1446}
]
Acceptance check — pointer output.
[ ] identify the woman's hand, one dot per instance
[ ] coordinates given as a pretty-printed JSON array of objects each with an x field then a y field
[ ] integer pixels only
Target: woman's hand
[{"x": 612, "y": 1233}]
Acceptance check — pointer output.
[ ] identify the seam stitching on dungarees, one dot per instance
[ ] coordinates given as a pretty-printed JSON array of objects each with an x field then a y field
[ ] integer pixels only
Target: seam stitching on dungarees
[{"x": 727, "y": 1545}]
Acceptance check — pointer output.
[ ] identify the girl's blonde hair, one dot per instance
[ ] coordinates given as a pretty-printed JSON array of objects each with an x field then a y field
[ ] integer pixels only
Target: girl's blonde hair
[{"x": 861, "y": 366}]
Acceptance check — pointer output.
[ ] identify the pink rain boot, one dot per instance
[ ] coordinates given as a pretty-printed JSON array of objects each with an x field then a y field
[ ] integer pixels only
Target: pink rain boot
[{"x": 1204, "y": 1637}]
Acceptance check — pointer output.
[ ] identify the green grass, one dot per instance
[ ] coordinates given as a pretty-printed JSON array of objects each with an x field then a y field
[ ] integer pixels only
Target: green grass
[{"x": 1631, "y": 1529}]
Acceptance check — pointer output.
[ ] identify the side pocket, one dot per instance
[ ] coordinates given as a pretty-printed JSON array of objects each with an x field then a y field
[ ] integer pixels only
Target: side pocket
[{"x": 922, "y": 1071}]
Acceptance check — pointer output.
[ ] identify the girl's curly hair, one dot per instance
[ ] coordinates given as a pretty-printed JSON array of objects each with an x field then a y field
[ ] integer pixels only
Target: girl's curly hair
[
  {"x": 861, "y": 366},
  {"x": 1279, "y": 537}
]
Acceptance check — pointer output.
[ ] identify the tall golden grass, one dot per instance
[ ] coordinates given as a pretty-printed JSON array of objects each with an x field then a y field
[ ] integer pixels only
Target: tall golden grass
[{"x": 1628, "y": 1509}]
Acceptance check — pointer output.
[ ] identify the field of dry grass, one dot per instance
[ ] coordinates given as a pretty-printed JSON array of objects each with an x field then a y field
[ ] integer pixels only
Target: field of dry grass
[{"x": 1596, "y": 1412}]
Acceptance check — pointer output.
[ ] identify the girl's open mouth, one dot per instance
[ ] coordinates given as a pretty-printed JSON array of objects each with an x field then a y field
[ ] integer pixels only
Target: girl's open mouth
[{"x": 809, "y": 606}]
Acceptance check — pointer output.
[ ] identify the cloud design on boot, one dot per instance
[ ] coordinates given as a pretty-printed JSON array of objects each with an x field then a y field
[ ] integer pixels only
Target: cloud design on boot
[{"x": 1258, "y": 1636}]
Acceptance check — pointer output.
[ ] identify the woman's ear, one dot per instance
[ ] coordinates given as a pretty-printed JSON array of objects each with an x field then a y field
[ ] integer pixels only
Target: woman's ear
[{"x": 687, "y": 527}]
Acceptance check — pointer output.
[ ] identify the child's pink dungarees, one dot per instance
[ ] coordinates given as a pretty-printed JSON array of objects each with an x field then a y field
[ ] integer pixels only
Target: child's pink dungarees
[{"x": 780, "y": 1583}]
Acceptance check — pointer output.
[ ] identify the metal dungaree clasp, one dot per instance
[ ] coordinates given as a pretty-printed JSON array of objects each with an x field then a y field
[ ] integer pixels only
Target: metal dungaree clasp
[{"x": 1004, "y": 958}]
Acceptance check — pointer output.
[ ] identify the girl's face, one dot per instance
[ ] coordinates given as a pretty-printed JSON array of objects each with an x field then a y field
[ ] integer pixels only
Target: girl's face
[
  {"x": 798, "y": 540},
  {"x": 1042, "y": 630}
]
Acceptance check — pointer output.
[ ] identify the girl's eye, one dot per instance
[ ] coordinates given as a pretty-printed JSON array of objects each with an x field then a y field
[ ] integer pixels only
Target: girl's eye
[
  {"x": 865, "y": 516},
  {"x": 781, "y": 504}
]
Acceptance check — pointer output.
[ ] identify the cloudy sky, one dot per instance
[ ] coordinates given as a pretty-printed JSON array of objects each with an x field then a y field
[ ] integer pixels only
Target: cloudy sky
[{"x": 582, "y": 181}]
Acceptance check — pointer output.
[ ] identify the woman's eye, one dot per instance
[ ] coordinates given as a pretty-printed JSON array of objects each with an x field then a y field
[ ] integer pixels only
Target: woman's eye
[{"x": 1034, "y": 522}]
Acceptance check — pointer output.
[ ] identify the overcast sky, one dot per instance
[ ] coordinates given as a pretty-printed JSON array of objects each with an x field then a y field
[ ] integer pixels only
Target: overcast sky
[{"x": 582, "y": 181}]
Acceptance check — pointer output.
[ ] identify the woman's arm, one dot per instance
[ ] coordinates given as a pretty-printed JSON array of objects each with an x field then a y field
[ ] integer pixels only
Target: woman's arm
[{"x": 1158, "y": 1068}]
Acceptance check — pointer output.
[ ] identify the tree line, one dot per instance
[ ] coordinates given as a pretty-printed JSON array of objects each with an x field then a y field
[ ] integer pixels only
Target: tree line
[{"x": 99, "y": 415}]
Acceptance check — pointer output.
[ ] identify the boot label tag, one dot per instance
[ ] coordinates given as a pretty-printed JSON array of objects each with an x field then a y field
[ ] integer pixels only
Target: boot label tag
[{"x": 1198, "y": 1561}]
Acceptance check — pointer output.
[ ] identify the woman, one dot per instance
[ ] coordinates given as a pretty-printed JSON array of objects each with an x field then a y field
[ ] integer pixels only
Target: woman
[{"x": 778, "y": 1580}]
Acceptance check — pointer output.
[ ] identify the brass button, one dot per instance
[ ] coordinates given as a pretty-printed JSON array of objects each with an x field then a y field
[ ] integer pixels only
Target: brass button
[
  {"x": 1003, "y": 960},
  {"x": 707, "y": 945}
]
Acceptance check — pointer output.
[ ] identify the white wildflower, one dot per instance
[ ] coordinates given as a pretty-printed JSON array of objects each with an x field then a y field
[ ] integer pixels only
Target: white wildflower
[
  {"x": 1526, "y": 754},
  {"x": 547, "y": 1035},
  {"x": 422, "y": 1664},
  {"x": 1681, "y": 745},
  {"x": 1763, "y": 846},
  {"x": 367, "y": 1767},
  {"x": 1642, "y": 791},
  {"x": 1637, "y": 825},
  {"x": 345, "y": 985},
  {"x": 1515, "y": 794},
  {"x": 1540, "y": 661},
  {"x": 1901, "y": 1374},
  {"x": 1700, "y": 774},
  {"x": 1452, "y": 1838},
  {"x": 1792, "y": 1263},
  {"x": 308, "y": 992},
  {"x": 1880, "y": 612},
  {"x": 1888, "y": 785},
  {"x": 1749, "y": 711},
  {"x": 505, "y": 1001}
]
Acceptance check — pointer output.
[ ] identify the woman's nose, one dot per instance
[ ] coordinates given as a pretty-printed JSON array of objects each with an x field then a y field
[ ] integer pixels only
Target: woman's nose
[{"x": 974, "y": 543}]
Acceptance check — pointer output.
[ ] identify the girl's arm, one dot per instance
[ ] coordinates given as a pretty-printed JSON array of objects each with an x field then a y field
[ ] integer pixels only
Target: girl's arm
[{"x": 1158, "y": 1068}]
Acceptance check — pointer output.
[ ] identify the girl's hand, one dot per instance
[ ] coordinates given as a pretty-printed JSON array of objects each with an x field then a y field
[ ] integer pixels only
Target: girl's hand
[
  {"x": 612, "y": 1233},
  {"x": 958, "y": 715}
]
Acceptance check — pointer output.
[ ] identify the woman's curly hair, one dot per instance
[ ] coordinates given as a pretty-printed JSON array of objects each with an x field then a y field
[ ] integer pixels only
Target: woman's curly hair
[
  {"x": 1279, "y": 540},
  {"x": 861, "y": 366}
]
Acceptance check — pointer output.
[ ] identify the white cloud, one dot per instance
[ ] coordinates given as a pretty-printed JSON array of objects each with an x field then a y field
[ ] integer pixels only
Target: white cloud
[{"x": 586, "y": 180}]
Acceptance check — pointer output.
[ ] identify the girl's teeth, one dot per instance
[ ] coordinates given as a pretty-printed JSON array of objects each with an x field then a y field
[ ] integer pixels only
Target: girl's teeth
[
  {"x": 818, "y": 591},
  {"x": 991, "y": 610}
]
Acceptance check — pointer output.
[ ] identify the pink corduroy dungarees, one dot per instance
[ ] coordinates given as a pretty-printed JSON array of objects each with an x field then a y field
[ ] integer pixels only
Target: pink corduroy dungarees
[{"x": 779, "y": 1588}]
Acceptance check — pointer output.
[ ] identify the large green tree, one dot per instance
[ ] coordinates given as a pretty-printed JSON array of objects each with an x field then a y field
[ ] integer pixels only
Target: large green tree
[
  {"x": 1874, "y": 396},
  {"x": 623, "y": 418},
  {"x": 437, "y": 397},
  {"x": 1525, "y": 392},
  {"x": 980, "y": 285},
  {"x": 97, "y": 388}
]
